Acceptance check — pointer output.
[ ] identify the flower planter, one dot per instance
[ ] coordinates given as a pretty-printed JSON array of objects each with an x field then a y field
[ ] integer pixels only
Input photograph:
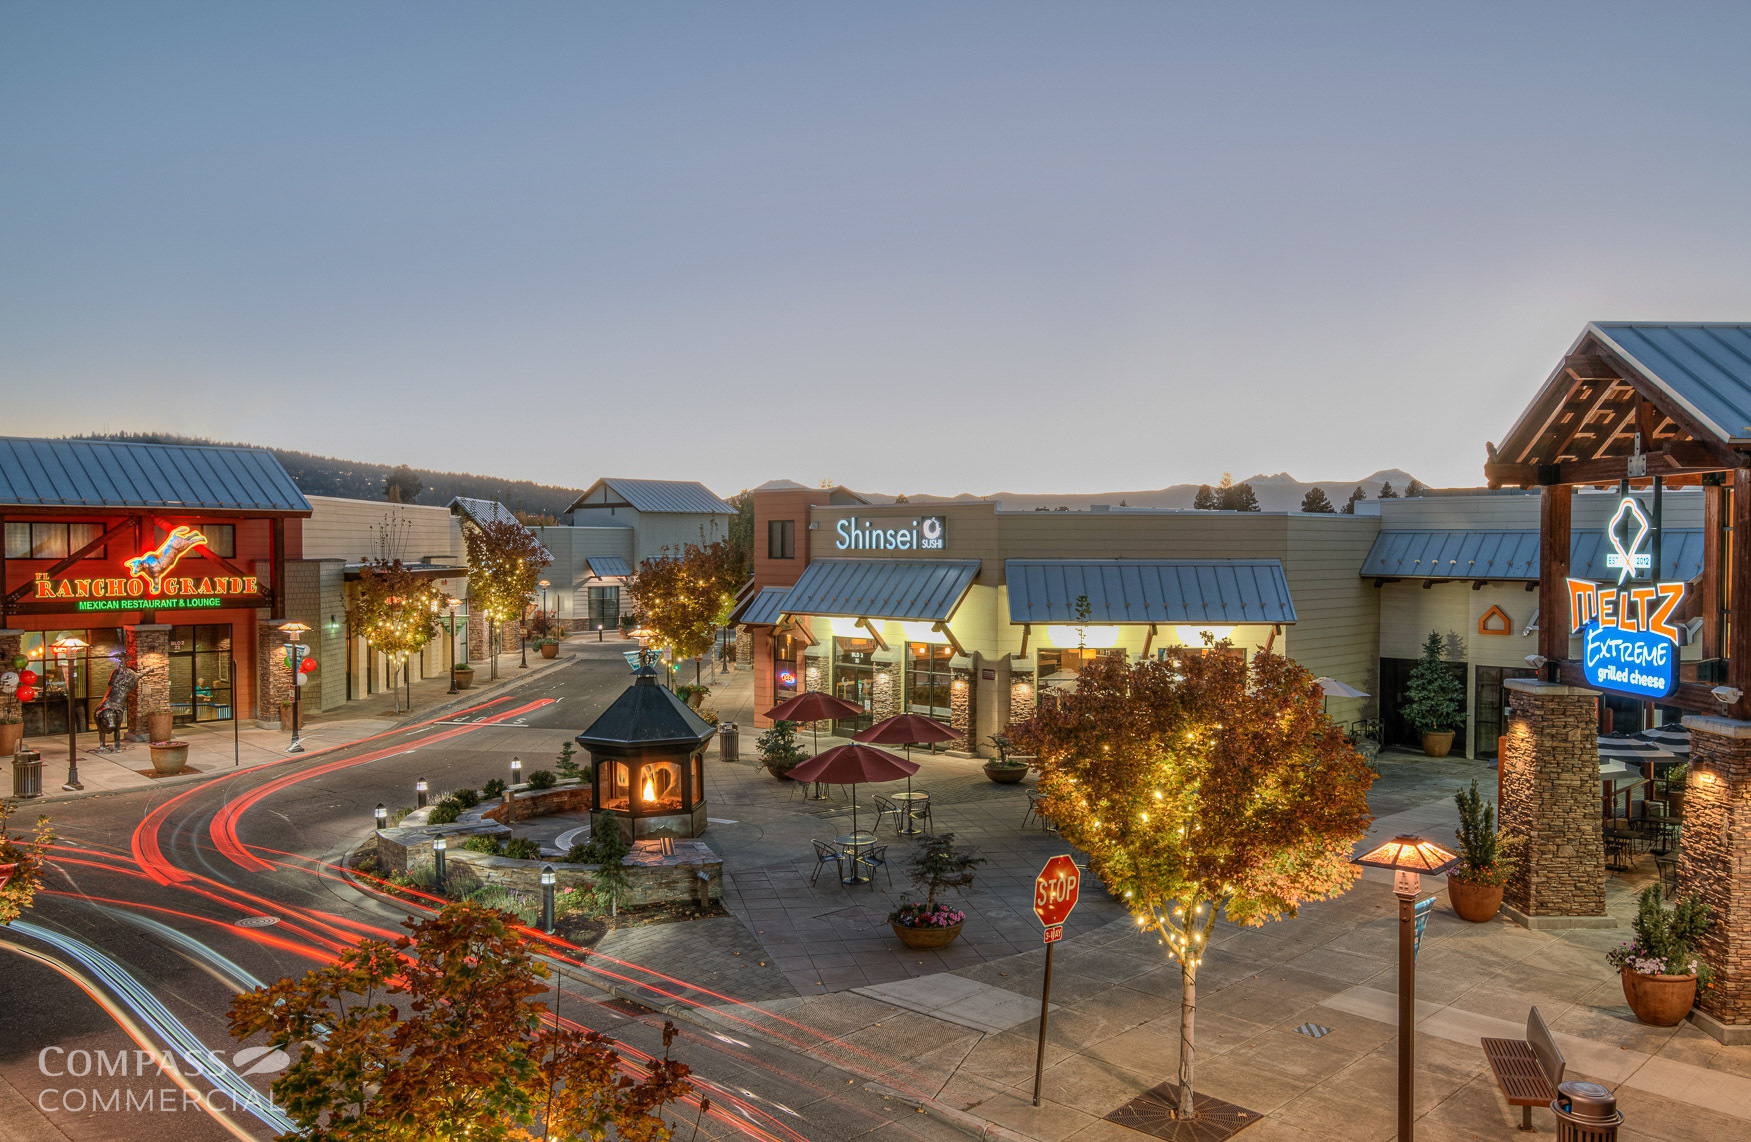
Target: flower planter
[
  {"x": 463, "y": 678},
  {"x": 782, "y": 774},
  {"x": 1659, "y": 1000},
  {"x": 169, "y": 757},
  {"x": 1438, "y": 745},
  {"x": 1477, "y": 903},
  {"x": 11, "y": 733},
  {"x": 158, "y": 725},
  {"x": 550, "y": 650},
  {"x": 926, "y": 937},
  {"x": 1006, "y": 774}
]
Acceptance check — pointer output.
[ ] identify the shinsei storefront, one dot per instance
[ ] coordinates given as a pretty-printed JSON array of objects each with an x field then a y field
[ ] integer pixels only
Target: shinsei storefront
[{"x": 166, "y": 561}]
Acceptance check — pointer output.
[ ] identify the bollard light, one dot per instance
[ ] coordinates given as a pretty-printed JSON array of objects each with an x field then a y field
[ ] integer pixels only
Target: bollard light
[
  {"x": 438, "y": 847},
  {"x": 547, "y": 879},
  {"x": 516, "y": 771},
  {"x": 419, "y": 791},
  {"x": 380, "y": 815}
]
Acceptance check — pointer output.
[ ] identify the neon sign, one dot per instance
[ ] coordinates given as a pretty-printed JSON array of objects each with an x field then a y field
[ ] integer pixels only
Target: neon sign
[
  {"x": 925, "y": 534},
  {"x": 162, "y": 560},
  {"x": 149, "y": 580},
  {"x": 1629, "y": 639}
]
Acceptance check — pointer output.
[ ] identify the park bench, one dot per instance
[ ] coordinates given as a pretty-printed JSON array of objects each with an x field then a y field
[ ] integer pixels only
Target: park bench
[{"x": 1528, "y": 1070}]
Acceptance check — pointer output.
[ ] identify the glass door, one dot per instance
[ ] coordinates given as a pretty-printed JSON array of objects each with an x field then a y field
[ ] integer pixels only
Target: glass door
[
  {"x": 200, "y": 673},
  {"x": 854, "y": 681},
  {"x": 1489, "y": 707},
  {"x": 928, "y": 679}
]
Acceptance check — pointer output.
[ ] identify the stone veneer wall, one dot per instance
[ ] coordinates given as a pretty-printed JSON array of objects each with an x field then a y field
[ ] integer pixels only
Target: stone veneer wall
[
  {"x": 273, "y": 678},
  {"x": 962, "y": 694},
  {"x": 476, "y": 638},
  {"x": 887, "y": 699},
  {"x": 1550, "y": 796},
  {"x": 743, "y": 655},
  {"x": 148, "y": 654},
  {"x": 1022, "y": 699},
  {"x": 1715, "y": 859}
]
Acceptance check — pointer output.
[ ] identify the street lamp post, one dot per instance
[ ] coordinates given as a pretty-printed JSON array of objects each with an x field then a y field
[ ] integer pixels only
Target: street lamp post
[
  {"x": 450, "y": 605},
  {"x": 68, "y": 646},
  {"x": 1409, "y": 858},
  {"x": 547, "y": 879},
  {"x": 544, "y": 586},
  {"x": 296, "y": 649},
  {"x": 523, "y": 640}
]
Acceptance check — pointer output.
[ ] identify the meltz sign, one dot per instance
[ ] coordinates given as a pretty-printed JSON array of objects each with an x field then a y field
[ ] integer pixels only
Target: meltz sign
[
  {"x": 925, "y": 534},
  {"x": 1629, "y": 639}
]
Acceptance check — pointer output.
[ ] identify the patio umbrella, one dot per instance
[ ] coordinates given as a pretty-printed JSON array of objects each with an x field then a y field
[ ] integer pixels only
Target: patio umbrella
[
  {"x": 813, "y": 706},
  {"x": 904, "y": 730},
  {"x": 1335, "y": 689},
  {"x": 851, "y": 765}
]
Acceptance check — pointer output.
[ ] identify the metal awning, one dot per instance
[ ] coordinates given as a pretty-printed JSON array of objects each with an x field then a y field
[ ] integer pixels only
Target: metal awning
[
  {"x": 1456, "y": 553},
  {"x": 1223, "y": 591},
  {"x": 764, "y": 608},
  {"x": 608, "y": 567},
  {"x": 923, "y": 590}
]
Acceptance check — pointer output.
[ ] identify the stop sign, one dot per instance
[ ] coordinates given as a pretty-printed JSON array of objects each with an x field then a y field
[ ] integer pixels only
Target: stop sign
[{"x": 1056, "y": 890}]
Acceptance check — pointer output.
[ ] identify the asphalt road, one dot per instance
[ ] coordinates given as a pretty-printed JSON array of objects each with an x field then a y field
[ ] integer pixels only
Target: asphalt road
[{"x": 136, "y": 943}]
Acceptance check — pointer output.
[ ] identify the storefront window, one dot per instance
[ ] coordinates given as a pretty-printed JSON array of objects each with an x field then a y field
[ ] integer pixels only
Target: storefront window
[
  {"x": 200, "y": 673},
  {"x": 1058, "y": 665},
  {"x": 785, "y": 668},
  {"x": 604, "y": 607},
  {"x": 47, "y": 712},
  {"x": 51, "y": 540},
  {"x": 928, "y": 678},
  {"x": 854, "y": 680}
]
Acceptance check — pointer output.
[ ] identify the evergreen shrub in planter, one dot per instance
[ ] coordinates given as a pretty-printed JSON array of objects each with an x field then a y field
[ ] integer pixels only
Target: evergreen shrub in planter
[
  {"x": 1434, "y": 702},
  {"x": 1660, "y": 968}
]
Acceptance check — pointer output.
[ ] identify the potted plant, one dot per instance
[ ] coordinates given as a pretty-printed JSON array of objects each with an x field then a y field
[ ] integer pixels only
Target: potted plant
[
  {"x": 11, "y": 733},
  {"x": 549, "y": 647},
  {"x": 1434, "y": 699},
  {"x": 692, "y": 694},
  {"x": 779, "y": 752},
  {"x": 1000, "y": 768},
  {"x": 937, "y": 865},
  {"x": 463, "y": 675},
  {"x": 168, "y": 756},
  {"x": 159, "y": 723},
  {"x": 1486, "y": 859},
  {"x": 627, "y": 625},
  {"x": 1660, "y": 968}
]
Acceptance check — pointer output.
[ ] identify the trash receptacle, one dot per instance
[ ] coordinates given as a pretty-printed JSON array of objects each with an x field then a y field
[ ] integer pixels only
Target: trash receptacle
[
  {"x": 1585, "y": 1112},
  {"x": 27, "y": 773},
  {"x": 729, "y": 742}
]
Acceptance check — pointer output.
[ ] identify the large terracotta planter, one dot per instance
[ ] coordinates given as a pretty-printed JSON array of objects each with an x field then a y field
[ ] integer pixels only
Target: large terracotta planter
[
  {"x": 11, "y": 733},
  {"x": 926, "y": 937},
  {"x": 1659, "y": 1000},
  {"x": 1006, "y": 774},
  {"x": 1438, "y": 745},
  {"x": 1477, "y": 903},
  {"x": 169, "y": 757},
  {"x": 463, "y": 678},
  {"x": 781, "y": 774},
  {"x": 158, "y": 725},
  {"x": 550, "y": 650}
]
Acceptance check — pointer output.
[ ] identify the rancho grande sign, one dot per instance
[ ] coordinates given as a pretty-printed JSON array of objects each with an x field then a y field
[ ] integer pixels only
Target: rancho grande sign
[{"x": 147, "y": 582}]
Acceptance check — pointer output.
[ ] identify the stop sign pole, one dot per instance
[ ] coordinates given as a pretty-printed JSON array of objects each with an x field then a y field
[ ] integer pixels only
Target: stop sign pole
[{"x": 1056, "y": 891}]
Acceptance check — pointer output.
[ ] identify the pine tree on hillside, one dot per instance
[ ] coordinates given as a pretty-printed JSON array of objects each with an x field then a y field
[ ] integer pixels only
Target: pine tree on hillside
[
  {"x": 1386, "y": 492},
  {"x": 1205, "y": 500},
  {"x": 1240, "y": 498},
  {"x": 1415, "y": 488},
  {"x": 402, "y": 485},
  {"x": 1356, "y": 496},
  {"x": 1317, "y": 501}
]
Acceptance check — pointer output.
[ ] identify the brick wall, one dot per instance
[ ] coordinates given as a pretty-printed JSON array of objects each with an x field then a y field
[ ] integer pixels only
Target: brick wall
[
  {"x": 1550, "y": 796},
  {"x": 1715, "y": 859}
]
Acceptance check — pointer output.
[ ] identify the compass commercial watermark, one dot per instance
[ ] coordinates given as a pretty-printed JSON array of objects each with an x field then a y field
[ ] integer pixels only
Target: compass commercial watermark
[{"x": 93, "y": 1082}]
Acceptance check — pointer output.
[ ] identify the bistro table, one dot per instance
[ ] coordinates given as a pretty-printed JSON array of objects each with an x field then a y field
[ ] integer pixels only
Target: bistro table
[
  {"x": 853, "y": 844},
  {"x": 910, "y": 804}
]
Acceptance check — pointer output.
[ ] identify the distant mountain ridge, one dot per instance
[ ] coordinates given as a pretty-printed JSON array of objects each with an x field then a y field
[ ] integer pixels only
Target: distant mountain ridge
[
  {"x": 355, "y": 480},
  {"x": 1279, "y": 492}
]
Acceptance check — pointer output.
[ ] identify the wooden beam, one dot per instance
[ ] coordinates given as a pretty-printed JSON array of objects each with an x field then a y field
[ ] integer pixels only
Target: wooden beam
[
  {"x": 942, "y": 629},
  {"x": 1026, "y": 629},
  {"x": 23, "y": 589},
  {"x": 1150, "y": 641},
  {"x": 1663, "y": 401},
  {"x": 277, "y": 599},
  {"x": 873, "y": 633},
  {"x": 1713, "y": 519},
  {"x": 1546, "y": 407},
  {"x": 1589, "y": 367},
  {"x": 1738, "y": 581},
  {"x": 1582, "y": 416},
  {"x": 1554, "y": 513},
  {"x": 1606, "y": 470},
  {"x": 1619, "y": 421}
]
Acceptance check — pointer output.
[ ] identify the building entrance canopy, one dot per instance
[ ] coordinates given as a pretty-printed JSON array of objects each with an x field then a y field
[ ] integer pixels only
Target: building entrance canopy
[{"x": 1221, "y": 591}]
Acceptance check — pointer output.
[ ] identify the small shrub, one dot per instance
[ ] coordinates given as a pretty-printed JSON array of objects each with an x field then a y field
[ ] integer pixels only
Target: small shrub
[
  {"x": 542, "y": 779},
  {"x": 527, "y": 911},
  {"x": 1665, "y": 939},
  {"x": 445, "y": 812},
  {"x": 493, "y": 788},
  {"x": 398, "y": 816},
  {"x": 572, "y": 899},
  {"x": 467, "y": 798},
  {"x": 577, "y": 854},
  {"x": 488, "y": 845},
  {"x": 522, "y": 848},
  {"x": 566, "y": 766}
]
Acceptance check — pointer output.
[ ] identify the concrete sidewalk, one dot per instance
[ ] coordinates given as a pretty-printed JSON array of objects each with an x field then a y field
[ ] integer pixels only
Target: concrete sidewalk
[{"x": 223, "y": 747}]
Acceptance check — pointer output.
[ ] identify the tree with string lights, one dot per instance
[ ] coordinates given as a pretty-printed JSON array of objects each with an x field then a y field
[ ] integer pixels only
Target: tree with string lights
[
  {"x": 1198, "y": 785},
  {"x": 396, "y": 612},
  {"x": 685, "y": 597},
  {"x": 505, "y": 562}
]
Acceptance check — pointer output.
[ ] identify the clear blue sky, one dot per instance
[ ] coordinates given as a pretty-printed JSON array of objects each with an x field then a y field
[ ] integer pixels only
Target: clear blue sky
[{"x": 936, "y": 247}]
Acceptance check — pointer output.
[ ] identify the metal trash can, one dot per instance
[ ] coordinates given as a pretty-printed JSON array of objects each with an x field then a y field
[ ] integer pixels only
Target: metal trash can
[
  {"x": 729, "y": 742},
  {"x": 1585, "y": 1112},
  {"x": 27, "y": 773}
]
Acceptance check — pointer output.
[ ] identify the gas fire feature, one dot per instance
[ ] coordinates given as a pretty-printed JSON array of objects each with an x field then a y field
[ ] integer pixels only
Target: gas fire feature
[{"x": 647, "y": 763}]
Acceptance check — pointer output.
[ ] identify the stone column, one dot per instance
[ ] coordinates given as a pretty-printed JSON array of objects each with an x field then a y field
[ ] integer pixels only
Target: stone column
[
  {"x": 148, "y": 651},
  {"x": 273, "y": 680},
  {"x": 1715, "y": 861},
  {"x": 476, "y": 639},
  {"x": 887, "y": 699},
  {"x": 1549, "y": 772},
  {"x": 744, "y": 659},
  {"x": 963, "y": 693}
]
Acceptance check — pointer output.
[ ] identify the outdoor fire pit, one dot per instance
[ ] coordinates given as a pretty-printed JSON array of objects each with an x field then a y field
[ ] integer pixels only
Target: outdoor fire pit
[{"x": 647, "y": 763}]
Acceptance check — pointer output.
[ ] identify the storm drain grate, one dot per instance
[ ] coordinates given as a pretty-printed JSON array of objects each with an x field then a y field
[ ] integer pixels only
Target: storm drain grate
[
  {"x": 1313, "y": 1030},
  {"x": 258, "y": 921}
]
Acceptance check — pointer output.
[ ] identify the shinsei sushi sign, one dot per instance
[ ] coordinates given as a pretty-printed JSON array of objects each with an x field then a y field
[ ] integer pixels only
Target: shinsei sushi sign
[
  {"x": 150, "y": 581},
  {"x": 1629, "y": 634}
]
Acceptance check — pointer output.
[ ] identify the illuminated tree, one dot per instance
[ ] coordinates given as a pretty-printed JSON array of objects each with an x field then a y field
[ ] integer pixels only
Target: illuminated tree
[
  {"x": 395, "y": 611},
  {"x": 1197, "y": 785},
  {"x": 438, "y": 1034},
  {"x": 505, "y": 561},
  {"x": 684, "y": 598},
  {"x": 741, "y": 540},
  {"x": 21, "y": 865}
]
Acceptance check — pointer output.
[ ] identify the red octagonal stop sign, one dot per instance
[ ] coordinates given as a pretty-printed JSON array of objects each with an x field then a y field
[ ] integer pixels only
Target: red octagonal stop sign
[{"x": 1056, "y": 890}]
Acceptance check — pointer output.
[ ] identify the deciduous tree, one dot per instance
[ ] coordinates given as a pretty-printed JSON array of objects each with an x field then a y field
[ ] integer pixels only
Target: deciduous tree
[
  {"x": 504, "y": 564},
  {"x": 396, "y": 611},
  {"x": 1316, "y": 501},
  {"x": 685, "y": 597},
  {"x": 1199, "y": 785},
  {"x": 439, "y": 1034},
  {"x": 21, "y": 864}
]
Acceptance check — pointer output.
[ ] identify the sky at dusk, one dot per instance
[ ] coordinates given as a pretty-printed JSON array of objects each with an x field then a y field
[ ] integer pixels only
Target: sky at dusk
[{"x": 933, "y": 247}]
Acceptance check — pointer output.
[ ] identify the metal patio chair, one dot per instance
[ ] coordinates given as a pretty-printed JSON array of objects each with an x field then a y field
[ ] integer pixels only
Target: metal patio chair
[{"x": 826, "y": 853}]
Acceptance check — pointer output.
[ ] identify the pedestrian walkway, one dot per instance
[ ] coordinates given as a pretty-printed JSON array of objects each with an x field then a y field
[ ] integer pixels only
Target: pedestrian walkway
[{"x": 221, "y": 747}]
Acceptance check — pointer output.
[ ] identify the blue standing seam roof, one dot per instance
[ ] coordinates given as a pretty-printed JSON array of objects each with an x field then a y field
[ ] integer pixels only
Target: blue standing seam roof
[
  {"x": 108, "y": 473},
  {"x": 607, "y": 566},
  {"x": 764, "y": 609},
  {"x": 922, "y": 590},
  {"x": 660, "y": 496},
  {"x": 1512, "y": 555},
  {"x": 1705, "y": 365},
  {"x": 1149, "y": 590}
]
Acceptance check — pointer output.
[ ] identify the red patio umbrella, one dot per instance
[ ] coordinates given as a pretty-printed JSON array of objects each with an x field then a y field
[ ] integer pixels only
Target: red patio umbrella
[
  {"x": 904, "y": 730},
  {"x": 852, "y": 765},
  {"x": 813, "y": 706}
]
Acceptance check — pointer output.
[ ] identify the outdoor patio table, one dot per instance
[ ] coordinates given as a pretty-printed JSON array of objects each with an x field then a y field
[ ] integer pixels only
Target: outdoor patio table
[
  {"x": 909, "y": 804},
  {"x": 852, "y": 844}
]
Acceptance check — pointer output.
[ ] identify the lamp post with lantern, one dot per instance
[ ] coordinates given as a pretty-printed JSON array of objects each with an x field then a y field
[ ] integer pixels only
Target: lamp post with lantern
[
  {"x": 1409, "y": 858},
  {"x": 451, "y": 602},
  {"x": 296, "y": 649},
  {"x": 68, "y": 647}
]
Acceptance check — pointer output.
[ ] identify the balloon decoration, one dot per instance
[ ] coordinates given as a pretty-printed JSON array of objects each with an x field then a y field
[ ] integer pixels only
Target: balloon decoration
[
  {"x": 307, "y": 665},
  {"x": 27, "y": 693},
  {"x": 27, "y": 677},
  {"x": 19, "y": 662}
]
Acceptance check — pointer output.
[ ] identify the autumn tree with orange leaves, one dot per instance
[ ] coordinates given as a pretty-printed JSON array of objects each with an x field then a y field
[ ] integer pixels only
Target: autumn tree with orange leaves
[
  {"x": 438, "y": 1034},
  {"x": 1199, "y": 785}
]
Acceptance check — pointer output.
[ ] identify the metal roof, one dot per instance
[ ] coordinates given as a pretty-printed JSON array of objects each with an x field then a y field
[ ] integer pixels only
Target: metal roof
[
  {"x": 1705, "y": 366},
  {"x": 110, "y": 473},
  {"x": 482, "y": 511},
  {"x": 1458, "y": 554},
  {"x": 607, "y": 566},
  {"x": 763, "y": 609},
  {"x": 1149, "y": 590},
  {"x": 906, "y": 589},
  {"x": 659, "y": 496}
]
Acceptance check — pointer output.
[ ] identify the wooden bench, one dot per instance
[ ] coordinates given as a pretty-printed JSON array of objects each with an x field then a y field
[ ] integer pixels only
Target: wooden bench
[{"x": 1528, "y": 1070}]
